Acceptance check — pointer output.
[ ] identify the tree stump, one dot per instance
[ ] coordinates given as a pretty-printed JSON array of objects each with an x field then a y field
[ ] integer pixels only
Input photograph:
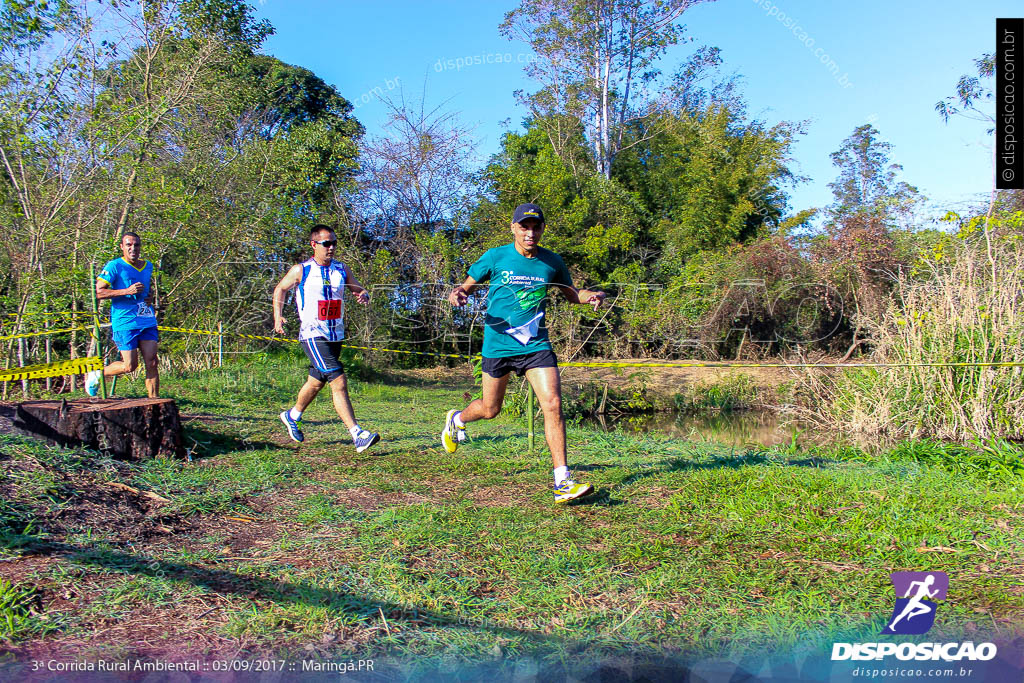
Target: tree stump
[{"x": 130, "y": 429}]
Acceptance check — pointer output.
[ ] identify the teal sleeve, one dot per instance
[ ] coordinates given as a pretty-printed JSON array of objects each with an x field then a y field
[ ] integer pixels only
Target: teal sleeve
[
  {"x": 481, "y": 270},
  {"x": 562, "y": 276}
]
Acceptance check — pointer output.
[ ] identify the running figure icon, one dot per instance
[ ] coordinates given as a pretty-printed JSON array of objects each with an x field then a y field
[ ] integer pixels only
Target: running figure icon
[
  {"x": 915, "y": 607},
  {"x": 914, "y": 612}
]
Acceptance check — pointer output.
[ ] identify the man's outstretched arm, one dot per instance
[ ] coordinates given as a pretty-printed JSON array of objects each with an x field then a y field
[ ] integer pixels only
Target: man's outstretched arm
[
  {"x": 592, "y": 297},
  {"x": 362, "y": 293},
  {"x": 459, "y": 295}
]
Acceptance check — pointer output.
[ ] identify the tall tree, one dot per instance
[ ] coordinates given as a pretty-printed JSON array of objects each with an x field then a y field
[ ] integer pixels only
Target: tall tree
[
  {"x": 867, "y": 185},
  {"x": 973, "y": 99},
  {"x": 971, "y": 94},
  {"x": 158, "y": 116},
  {"x": 710, "y": 178},
  {"x": 596, "y": 59}
]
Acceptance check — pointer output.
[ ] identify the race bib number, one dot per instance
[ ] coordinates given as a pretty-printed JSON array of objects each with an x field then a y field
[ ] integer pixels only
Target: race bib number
[
  {"x": 144, "y": 311},
  {"x": 329, "y": 310}
]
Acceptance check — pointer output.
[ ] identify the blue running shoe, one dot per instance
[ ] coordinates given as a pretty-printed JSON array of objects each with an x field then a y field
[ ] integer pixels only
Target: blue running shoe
[
  {"x": 293, "y": 426},
  {"x": 365, "y": 440}
]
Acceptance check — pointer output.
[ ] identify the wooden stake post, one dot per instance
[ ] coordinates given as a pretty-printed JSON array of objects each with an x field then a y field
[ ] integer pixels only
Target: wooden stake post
[
  {"x": 96, "y": 327},
  {"x": 529, "y": 419}
]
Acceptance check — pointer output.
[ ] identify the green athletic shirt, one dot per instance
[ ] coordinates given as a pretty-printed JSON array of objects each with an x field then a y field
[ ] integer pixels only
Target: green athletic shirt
[{"x": 517, "y": 297}]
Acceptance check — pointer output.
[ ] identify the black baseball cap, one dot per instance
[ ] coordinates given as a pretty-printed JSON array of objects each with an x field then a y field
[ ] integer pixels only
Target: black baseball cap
[{"x": 524, "y": 211}]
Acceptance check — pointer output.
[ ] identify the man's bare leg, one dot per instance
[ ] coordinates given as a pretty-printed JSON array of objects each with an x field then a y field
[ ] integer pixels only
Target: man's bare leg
[
  {"x": 489, "y": 405},
  {"x": 129, "y": 361},
  {"x": 307, "y": 393},
  {"x": 148, "y": 349},
  {"x": 342, "y": 404},
  {"x": 547, "y": 385}
]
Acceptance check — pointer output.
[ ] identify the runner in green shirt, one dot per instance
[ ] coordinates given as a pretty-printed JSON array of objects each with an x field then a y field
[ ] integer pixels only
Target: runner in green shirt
[{"x": 516, "y": 338}]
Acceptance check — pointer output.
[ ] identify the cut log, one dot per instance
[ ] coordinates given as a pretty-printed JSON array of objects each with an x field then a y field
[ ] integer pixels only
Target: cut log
[{"x": 130, "y": 429}]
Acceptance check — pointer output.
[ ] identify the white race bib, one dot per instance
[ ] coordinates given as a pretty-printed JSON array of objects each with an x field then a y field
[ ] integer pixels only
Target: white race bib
[
  {"x": 527, "y": 331},
  {"x": 144, "y": 311}
]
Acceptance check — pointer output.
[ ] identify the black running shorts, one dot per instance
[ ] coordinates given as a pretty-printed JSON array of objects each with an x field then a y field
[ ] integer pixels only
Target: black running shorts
[
  {"x": 324, "y": 365},
  {"x": 499, "y": 367}
]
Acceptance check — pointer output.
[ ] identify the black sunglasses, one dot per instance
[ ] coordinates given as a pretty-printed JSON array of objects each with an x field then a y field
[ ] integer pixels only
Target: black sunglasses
[{"x": 326, "y": 243}]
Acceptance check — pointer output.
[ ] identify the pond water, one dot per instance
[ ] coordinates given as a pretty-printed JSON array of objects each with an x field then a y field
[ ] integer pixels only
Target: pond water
[{"x": 738, "y": 428}]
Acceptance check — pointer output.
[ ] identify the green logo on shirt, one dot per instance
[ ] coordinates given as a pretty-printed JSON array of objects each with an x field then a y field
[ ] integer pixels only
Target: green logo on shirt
[{"x": 529, "y": 290}]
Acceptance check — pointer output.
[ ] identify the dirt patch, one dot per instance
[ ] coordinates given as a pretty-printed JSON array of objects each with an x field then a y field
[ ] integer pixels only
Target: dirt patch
[
  {"x": 369, "y": 499},
  {"x": 460, "y": 375},
  {"x": 668, "y": 380},
  {"x": 71, "y": 502},
  {"x": 139, "y": 540},
  {"x": 24, "y": 569},
  {"x": 364, "y": 498},
  {"x": 241, "y": 535},
  {"x": 656, "y": 497},
  {"x": 183, "y": 633},
  {"x": 500, "y": 496}
]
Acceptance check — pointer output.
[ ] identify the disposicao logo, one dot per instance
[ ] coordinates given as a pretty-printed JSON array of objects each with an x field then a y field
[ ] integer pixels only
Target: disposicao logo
[{"x": 914, "y": 614}]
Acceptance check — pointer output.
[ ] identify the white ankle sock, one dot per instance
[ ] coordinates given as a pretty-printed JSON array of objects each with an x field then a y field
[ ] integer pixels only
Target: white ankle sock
[
  {"x": 354, "y": 431},
  {"x": 561, "y": 474},
  {"x": 457, "y": 419},
  {"x": 295, "y": 414}
]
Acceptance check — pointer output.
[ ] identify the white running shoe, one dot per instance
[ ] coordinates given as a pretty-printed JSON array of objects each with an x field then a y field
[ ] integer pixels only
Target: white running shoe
[
  {"x": 452, "y": 435},
  {"x": 92, "y": 382}
]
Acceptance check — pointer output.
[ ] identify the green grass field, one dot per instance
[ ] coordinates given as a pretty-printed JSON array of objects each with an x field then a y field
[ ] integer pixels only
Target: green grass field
[{"x": 265, "y": 546}]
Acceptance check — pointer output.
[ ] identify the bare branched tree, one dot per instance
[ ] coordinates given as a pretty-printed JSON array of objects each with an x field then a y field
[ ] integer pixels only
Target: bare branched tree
[{"x": 415, "y": 179}]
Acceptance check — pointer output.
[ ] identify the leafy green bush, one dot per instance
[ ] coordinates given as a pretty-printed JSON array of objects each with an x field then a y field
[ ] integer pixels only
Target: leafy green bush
[{"x": 961, "y": 305}]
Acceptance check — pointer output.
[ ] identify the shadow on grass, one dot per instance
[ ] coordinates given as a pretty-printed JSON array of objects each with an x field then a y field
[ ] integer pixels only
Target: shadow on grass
[
  {"x": 600, "y": 498},
  {"x": 714, "y": 462},
  {"x": 254, "y": 587},
  {"x": 202, "y": 443}
]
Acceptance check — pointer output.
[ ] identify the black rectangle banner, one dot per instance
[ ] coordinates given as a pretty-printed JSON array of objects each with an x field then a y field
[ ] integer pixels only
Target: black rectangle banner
[{"x": 1009, "y": 108}]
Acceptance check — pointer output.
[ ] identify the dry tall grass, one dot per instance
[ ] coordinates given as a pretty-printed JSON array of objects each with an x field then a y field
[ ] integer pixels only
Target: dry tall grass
[{"x": 963, "y": 306}]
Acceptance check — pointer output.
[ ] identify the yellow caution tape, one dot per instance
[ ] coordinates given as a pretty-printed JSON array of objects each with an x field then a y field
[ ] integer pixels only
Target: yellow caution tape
[
  {"x": 38, "y": 313},
  {"x": 76, "y": 366},
  {"x": 570, "y": 364},
  {"x": 215, "y": 333},
  {"x": 1006, "y": 364},
  {"x": 415, "y": 353},
  {"x": 613, "y": 364}
]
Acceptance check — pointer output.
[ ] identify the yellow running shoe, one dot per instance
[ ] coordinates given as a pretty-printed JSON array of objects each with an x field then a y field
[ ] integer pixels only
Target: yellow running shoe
[
  {"x": 570, "y": 490},
  {"x": 452, "y": 435}
]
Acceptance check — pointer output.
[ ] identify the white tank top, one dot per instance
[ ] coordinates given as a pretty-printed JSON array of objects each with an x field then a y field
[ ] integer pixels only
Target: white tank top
[{"x": 320, "y": 302}]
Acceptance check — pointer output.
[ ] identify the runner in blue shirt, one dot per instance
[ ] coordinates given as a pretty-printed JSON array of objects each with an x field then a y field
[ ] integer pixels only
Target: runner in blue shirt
[{"x": 125, "y": 281}]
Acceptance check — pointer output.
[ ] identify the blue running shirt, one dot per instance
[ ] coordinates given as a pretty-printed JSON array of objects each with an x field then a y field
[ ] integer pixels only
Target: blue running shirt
[{"x": 129, "y": 312}]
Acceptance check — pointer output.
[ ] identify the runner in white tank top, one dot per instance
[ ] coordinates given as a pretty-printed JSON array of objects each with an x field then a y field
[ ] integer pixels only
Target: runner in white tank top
[
  {"x": 319, "y": 300},
  {"x": 320, "y": 285}
]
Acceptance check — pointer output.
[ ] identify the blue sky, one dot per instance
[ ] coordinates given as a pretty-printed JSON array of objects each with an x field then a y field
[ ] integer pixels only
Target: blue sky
[{"x": 898, "y": 60}]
